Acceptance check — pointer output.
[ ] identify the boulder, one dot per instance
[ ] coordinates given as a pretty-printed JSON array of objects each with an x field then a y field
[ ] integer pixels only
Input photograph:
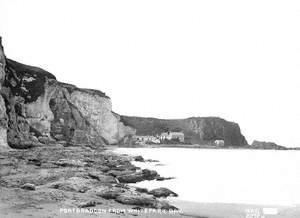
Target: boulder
[
  {"x": 160, "y": 178},
  {"x": 149, "y": 174},
  {"x": 141, "y": 190},
  {"x": 117, "y": 173},
  {"x": 145, "y": 174},
  {"x": 138, "y": 200},
  {"x": 139, "y": 159},
  {"x": 162, "y": 192},
  {"x": 101, "y": 177},
  {"x": 28, "y": 186},
  {"x": 110, "y": 193},
  {"x": 70, "y": 163},
  {"x": 91, "y": 203}
]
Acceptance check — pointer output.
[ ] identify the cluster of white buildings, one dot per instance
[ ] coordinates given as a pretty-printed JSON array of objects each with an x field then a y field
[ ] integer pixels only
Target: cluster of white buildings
[{"x": 159, "y": 139}]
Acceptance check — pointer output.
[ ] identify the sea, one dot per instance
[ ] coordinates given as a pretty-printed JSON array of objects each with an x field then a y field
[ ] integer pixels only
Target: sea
[{"x": 260, "y": 177}]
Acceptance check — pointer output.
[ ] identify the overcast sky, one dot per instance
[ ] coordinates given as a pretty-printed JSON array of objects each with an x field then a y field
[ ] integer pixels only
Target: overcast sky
[{"x": 239, "y": 60}]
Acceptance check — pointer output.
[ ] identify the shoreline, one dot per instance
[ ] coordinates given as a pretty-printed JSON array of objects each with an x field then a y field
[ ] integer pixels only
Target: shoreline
[
  {"x": 201, "y": 147},
  {"x": 83, "y": 178},
  {"x": 43, "y": 180},
  {"x": 228, "y": 210}
]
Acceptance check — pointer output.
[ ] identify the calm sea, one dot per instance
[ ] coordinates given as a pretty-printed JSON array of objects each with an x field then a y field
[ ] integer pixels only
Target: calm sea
[{"x": 225, "y": 176}]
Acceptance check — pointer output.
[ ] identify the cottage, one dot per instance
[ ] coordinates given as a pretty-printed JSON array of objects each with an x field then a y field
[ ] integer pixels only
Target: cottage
[
  {"x": 146, "y": 139},
  {"x": 219, "y": 143},
  {"x": 172, "y": 136}
]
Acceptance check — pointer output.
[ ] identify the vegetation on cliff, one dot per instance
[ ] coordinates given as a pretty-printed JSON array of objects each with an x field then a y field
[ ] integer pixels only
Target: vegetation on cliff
[{"x": 197, "y": 130}]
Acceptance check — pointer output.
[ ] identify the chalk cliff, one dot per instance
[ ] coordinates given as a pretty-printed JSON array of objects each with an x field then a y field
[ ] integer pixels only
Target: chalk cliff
[
  {"x": 35, "y": 108},
  {"x": 197, "y": 130}
]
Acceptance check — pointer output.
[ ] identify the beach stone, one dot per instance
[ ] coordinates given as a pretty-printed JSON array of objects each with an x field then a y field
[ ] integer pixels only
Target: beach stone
[
  {"x": 117, "y": 173},
  {"x": 138, "y": 200},
  {"x": 101, "y": 177},
  {"x": 160, "y": 178},
  {"x": 110, "y": 193},
  {"x": 141, "y": 190},
  {"x": 149, "y": 174},
  {"x": 130, "y": 178},
  {"x": 162, "y": 192},
  {"x": 70, "y": 163},
  {"x": 34, "y": 161},
  {"x": 145, "y": 174},
  {"x": 90, "y": 203},
  {"x": 139, "y": 159},
  {"x": 152, "y": 161},
  {"x": 28, "y": 186}
]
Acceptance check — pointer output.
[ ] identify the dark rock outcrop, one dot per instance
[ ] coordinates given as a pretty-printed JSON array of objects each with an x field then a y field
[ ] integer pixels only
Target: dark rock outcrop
[
  {"x": 162, "y": 192},
  {"x": 197, "y": 130},
  {"x": 266, "y": 145},
  {"x": 139, "y": 176}
]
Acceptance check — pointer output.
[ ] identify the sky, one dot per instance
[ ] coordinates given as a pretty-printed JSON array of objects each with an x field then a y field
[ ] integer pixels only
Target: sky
[{"x": 239, "y": 60}]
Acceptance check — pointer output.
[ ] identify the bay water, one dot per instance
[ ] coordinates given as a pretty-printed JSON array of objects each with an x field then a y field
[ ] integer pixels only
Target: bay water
[{"x": 268, "y": 177}]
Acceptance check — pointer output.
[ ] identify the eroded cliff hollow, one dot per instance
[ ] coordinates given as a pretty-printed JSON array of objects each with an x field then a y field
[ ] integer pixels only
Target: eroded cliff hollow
[
  {"x": 197, "y": 130},
  {"x": 35, "y": 108}
]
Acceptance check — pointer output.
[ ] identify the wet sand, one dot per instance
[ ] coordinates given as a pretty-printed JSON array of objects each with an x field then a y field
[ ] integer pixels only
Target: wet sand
[{"x": 226, "y": 210}]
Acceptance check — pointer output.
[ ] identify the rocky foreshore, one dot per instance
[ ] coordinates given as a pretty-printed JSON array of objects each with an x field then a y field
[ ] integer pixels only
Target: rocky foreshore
[{"x": 57, "y": 177}]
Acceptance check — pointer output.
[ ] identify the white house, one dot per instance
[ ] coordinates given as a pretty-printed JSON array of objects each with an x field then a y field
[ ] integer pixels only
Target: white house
[
  {"x": 146, "y": 139},
  {"x": 219, "y": 143},
  {"x": 172, "y": 136}
]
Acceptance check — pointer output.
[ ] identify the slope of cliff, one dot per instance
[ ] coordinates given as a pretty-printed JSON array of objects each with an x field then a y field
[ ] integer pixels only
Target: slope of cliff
[
  {"x": 197, "y": 130},
  {"x": 37, "y": 109}
]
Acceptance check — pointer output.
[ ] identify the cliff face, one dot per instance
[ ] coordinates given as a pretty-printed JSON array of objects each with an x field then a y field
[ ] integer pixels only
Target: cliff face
[
  {"x": 35, "y": 108},
  {"x": 197, "y": 130},
  {"x": 3, "y": 122},
  {"x": 80, "y": 111}
]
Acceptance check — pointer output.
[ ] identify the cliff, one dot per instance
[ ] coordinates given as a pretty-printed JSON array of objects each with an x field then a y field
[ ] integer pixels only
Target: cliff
[
  {"x": 197, "y": 130},
  {"x": 3, "y": 117},
  {"x": 37, "y": 109}
]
